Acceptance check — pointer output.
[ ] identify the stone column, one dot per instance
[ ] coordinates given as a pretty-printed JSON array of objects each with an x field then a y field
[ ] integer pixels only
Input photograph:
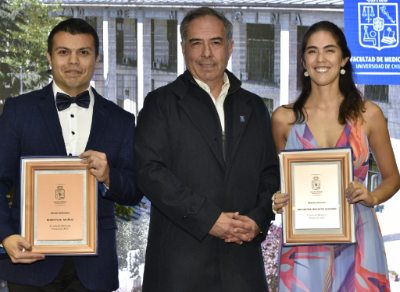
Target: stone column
[
  {"x": 393, "y": 114},
  {"x": 147, "y": 56},
  {"x": 292, "y": 58},
  {"x": 284, "y": 59},
  {"x": 140, "y": 62},
  {"x": 228, "y": 15},
  {"x": 239, "y": 50},
  {"x": 180, "y": 60},
  {"x": 105, "y": 52},
  {"x": 144, "y": 58},
  {"x": 112, "y": 60},
  {"x": 236, "y": 50}
]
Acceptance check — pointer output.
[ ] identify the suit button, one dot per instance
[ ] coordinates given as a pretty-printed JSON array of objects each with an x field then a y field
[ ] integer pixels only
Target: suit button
[
  {"x": 73, "y": 133},
  {"x": 70, "y": 154},
  {"x": 192, "y": 208},
  {"x": 72, "y": 116},
  {"x": 184, "y": 217}
]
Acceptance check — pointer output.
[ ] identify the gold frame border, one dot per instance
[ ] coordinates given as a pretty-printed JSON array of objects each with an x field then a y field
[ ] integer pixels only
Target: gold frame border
[
  {"x": 346, "y": 236},
  {"x": 91, "y": 208}
]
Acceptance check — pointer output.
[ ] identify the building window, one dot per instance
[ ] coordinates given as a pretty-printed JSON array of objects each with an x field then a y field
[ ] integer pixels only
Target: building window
[
  {"x": 374, "y": 179},
  {"x": 172, "y": 26},
  {"x": 120, "y": 90},
  {"x": 379, "y": 93},
  {"x": 126, "y": 42},
  {"x": 92, "y": 21},
  {"x": 120, "y": 102},
  {"x": 127, "y": 91},
  {"x": 164, "y": 44},
  {"x": 260, "y": 52},
  {"x": 120, "y": 40},
  {"x": 301, "y": 30},
  {"x": 269, "y": 103},
  {"x": 373, "y": 174}
]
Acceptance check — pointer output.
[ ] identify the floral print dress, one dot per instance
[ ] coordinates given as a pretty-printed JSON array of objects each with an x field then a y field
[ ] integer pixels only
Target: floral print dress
[{"x": 361, "y": 267}]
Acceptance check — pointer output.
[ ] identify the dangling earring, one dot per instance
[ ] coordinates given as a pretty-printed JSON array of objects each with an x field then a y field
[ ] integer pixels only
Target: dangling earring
[
  {"x": 342, "y": 71},
  {"x": 306, "y": 74}
]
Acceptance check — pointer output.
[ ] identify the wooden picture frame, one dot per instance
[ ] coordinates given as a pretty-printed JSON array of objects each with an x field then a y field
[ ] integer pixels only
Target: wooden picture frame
[
  {"x": 58, "y": 206},
  {"x": 318, "y": 211}
]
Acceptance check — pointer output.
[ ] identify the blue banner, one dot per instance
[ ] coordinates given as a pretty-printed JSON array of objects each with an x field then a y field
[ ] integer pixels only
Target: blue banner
[{"x": 372, "y": 32}]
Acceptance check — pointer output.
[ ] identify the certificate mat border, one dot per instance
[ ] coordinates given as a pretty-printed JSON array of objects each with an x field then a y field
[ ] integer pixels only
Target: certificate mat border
[
  {"x": 29, "y": 166},
  {"x": 35, "y": 206},
  {"x": 293, "y": 199},
  {"x": 344, "y": 157}
]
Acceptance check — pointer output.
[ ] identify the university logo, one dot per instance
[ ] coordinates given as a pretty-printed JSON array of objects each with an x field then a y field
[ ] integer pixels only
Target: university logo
[
  {"x": 60, "y": 193},
  {"x": 378, "y": 25},
  {"x": 316, "y": 183}
]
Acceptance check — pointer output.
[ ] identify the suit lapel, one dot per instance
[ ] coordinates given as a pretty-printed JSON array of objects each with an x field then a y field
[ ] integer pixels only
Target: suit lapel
[
  {"x": 50, "y": 115},
  {"x": 198, "y": 106},
  {"x": 237, "y": 116},
  {"x": 99, "y": 121}
]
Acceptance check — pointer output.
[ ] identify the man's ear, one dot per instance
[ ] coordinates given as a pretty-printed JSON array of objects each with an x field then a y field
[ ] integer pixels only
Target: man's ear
[
  {"x": 183, "y": 49},
  {"x": 49, "y": 58},
  {"x": 96, "y": 64}
]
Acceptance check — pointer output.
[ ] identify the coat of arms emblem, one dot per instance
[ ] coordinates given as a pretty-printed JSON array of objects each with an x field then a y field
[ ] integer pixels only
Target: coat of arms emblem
[
  {"x": 316, "y": 183},
  {"x": 60, "y": 193},
  {"x": 378, "y": 25}
]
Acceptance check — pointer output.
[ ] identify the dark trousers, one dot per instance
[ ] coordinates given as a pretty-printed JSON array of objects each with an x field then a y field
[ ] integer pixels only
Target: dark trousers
[{"x": 66, "y": 281}]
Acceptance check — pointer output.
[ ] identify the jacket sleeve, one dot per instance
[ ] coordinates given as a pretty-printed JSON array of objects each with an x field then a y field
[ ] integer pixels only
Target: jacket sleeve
[
  {"x": 189, "y": 211},
  {"x": 269, "y": 180},
  {"x": 123, "y": 188},
  {"x": 10, "y": 152}
]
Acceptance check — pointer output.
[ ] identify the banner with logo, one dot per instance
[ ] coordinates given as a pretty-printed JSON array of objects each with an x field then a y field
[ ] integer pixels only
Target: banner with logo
[{"x": 372, "y": 32}]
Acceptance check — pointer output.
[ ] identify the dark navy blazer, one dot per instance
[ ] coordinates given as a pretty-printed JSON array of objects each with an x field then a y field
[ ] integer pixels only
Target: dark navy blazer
[{"x": 30, "y": 126}]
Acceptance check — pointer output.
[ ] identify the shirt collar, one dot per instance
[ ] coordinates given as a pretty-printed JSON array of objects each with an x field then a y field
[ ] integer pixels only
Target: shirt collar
[{"x": 205, "y": 87}]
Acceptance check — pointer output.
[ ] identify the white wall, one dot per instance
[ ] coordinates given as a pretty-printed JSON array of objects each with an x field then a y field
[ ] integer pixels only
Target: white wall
[{"x": 388, "y": 221}]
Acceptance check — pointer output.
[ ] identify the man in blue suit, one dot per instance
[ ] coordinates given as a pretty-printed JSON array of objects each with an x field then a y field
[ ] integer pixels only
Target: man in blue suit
[{"x": 67, "y": 117}]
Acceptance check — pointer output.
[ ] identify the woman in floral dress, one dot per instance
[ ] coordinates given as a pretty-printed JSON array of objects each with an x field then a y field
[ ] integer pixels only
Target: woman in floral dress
[{"x": 330, "y": 112}]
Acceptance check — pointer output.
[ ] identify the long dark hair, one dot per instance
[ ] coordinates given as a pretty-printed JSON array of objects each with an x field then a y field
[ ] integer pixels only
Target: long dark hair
[{"x": 352, "y": 105}]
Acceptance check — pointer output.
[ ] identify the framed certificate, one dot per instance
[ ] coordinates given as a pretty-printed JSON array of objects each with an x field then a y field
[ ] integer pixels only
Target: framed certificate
[
  {"x": 58, "y": 206},
  {"x": 317, "y": 212}
]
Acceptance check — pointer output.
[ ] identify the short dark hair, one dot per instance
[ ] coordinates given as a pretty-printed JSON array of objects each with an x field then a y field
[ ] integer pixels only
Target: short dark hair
[
  {"x": 73, "y": 26},
  {"x": 352, "y": 105},
  {"x": 201, "y": 12}
]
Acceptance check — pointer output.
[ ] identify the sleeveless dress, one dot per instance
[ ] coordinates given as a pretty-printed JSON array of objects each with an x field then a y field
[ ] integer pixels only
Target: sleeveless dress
[{"x": 361, "y": 267}]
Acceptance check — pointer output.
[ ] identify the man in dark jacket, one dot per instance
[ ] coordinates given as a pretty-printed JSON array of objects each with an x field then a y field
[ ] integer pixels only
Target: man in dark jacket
[{"x": 206, "y": 160}]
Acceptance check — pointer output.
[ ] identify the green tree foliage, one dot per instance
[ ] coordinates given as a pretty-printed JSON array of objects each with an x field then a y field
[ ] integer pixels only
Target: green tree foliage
[
  {"x": 9, "y": 21},
  {"x": 28, "y": 43}
]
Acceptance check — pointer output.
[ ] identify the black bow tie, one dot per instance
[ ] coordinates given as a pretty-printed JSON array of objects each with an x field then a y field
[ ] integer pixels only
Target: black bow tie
[{"x": 63, "y": 101}]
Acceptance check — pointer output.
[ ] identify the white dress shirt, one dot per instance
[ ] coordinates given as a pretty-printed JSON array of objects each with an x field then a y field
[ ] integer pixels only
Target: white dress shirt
[
  {"x": 76, "y": 123},
  {"x": 219, "y": 102}
]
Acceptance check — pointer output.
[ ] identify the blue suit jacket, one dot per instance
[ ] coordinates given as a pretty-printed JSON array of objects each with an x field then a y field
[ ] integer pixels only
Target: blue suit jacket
[{"x": 29, "y": 126}]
